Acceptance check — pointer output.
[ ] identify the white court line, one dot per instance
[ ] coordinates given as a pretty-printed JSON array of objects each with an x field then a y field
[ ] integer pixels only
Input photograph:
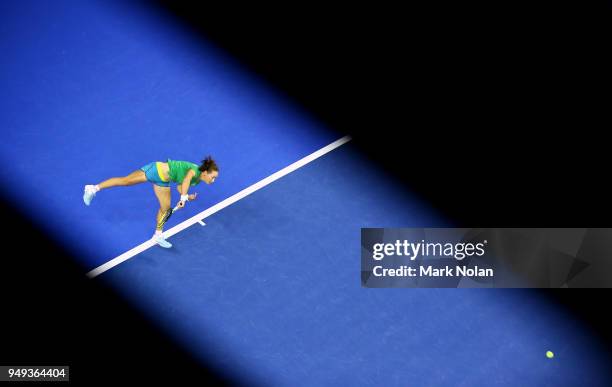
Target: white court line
[{"x": 219, "y": 206}]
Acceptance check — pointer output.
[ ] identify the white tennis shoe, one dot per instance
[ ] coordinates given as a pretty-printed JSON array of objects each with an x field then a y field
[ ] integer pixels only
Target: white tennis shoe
[
  {"x": 89, "y": 193},
  {"x": 159, "y": 239}
]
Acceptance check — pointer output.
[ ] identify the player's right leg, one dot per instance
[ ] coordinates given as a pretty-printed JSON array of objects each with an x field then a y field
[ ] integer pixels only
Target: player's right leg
[{"x": 136, "y": 177}]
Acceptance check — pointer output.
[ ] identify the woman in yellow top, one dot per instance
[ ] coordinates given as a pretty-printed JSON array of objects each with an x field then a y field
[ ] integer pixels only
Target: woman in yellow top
[{"x": 160, "y": 174}]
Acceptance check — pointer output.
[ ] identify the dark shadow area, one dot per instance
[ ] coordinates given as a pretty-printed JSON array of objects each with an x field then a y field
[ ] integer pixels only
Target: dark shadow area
[
  {"x": 492, "y": 113},
  {"x": 587, "y": 306},
  {"x": 54, "y": 315}
]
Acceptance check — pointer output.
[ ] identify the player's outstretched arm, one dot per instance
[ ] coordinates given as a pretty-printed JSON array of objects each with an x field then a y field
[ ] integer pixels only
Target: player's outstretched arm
[{"x": 185, "y": 187}]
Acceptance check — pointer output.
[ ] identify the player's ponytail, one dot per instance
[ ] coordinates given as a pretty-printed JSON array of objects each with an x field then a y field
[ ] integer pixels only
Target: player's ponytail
[{"x": 208, "y": 165}]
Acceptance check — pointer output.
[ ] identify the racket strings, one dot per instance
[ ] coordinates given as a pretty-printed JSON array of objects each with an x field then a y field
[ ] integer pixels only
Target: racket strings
[{"x": 164, "y": 219}]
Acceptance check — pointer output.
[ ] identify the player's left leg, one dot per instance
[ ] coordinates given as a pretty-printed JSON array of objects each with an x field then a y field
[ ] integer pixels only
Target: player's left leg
[{"x": 163, "y": 196}]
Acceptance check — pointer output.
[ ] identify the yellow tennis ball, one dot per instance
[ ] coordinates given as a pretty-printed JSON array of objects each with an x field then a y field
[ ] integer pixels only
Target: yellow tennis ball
[{"x": 550, "y": 355}]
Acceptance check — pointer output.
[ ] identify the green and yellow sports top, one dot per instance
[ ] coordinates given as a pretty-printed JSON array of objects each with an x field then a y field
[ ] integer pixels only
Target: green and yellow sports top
[{"x": 178, "y": 169}]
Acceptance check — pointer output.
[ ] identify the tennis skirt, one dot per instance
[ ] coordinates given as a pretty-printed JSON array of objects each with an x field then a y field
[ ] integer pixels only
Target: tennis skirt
[{"x": 154, "y": 175}]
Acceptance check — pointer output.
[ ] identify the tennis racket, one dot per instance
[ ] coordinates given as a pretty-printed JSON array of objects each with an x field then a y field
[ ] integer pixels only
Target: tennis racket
[
  {"x": 166, "y": 216},
  {"x": 169, "y": 213}
]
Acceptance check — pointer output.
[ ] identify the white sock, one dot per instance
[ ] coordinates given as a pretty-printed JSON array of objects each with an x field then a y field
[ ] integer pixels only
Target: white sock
[
  {"x": 96, "y": 188},
  {"x": 158, "y": 232}
]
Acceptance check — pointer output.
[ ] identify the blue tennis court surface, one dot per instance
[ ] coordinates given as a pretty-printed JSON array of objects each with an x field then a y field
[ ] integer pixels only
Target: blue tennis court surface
[
  {"x": 270, "y": 289},
  {"x": 97, "y": 89}
]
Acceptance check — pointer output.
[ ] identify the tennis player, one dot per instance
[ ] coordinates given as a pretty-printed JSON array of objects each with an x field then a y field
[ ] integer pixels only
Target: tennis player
[{"x": 161, "y": 174}]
